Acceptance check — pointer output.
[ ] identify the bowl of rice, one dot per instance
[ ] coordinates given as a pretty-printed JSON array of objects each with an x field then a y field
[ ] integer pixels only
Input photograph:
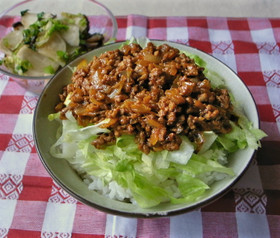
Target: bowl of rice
[
  {"x": 146, "y": 128},
  {"x": 37, "y": 38}
]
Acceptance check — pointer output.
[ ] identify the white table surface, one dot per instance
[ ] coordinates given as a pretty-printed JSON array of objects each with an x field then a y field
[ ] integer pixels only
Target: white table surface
[{"x": 228, "y": 8}]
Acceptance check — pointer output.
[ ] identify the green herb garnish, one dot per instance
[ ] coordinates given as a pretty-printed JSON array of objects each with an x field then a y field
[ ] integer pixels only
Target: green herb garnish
[
  {"x": 22, "y": 66},
  {"x": 49, "y": 70},
  {"x": 40, "y": 16},
  {"x": 63, "y": 55},
  {"x": 22, "y": 13},
  {"x": 57, "y": 25}
]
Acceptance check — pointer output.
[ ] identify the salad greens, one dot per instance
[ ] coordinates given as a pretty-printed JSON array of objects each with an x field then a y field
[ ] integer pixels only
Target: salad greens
[{"x": 180, "y": 176}]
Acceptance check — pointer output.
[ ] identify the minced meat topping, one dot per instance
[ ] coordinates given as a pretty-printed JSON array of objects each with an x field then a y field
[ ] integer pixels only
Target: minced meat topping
[{"x": 157, "y": 94}]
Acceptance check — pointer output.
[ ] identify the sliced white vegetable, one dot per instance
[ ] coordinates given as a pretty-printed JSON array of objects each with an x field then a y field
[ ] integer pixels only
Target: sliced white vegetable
[
  {"x": 28, "y": 19},
  {"x": 77, "y": 19},
  {"x": 182, "y": 155},
  {"x": 68, "y": 99},
  {"x": 3, "y": 48},
  {"x": 11, "y": 41},
  {"x": 39, "y": 62},
  {"x": 71, "y": 49},
  {"x": 72, "y": 35},
  {"x": 209, "y": 138},
  {"x": 48, "y": 15},
  {"x": 52, "y": 46},
  {"x": 43, "y": 36}
]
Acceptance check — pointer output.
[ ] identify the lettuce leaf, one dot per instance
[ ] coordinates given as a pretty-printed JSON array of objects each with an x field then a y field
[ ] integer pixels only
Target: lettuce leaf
[{"x": 243, "y": 133}]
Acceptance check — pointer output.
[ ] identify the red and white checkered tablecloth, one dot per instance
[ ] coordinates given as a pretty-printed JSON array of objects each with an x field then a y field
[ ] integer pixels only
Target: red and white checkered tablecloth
[{"x": 32, "y": 205}]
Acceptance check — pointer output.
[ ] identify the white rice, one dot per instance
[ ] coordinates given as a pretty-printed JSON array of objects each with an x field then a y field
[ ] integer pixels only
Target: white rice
[{"x": 114, "y": 191}]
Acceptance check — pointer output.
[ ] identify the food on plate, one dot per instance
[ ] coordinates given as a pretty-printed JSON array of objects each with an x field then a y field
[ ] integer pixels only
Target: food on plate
[
  {"x": 41, "y": 43},
  {"x": 145, "y": 125}
]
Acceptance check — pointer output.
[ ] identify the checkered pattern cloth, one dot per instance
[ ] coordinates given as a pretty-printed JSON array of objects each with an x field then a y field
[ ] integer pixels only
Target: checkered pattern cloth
[{"x": 32, "y": 205}]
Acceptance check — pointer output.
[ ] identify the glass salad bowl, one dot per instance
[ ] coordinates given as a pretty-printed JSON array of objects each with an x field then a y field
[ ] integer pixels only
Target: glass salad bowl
[{"x": 39, "y": 37}]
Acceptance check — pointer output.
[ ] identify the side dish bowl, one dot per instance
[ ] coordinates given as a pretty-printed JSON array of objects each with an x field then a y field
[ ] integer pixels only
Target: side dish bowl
[
  {"x": 45, "y": 136},
  {"x": 101, "y": 20}
]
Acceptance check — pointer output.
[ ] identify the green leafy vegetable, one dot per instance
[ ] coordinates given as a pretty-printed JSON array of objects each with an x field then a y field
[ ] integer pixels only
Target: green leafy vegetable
[
  {"x": 30, "y": 35},
  {"x": 77, "y": 19},
  {"x": 18, "y": 65},
  {"x": 22, "y": 13},
  {"x": 63, "y": 55},
  {"x": 49, "y": 70},
  {"x": 53, "y": 116},
  {"x": 40, "y": 16},
  {"x": 22, "y": 66},
  {"x": 57, "y": 25}
]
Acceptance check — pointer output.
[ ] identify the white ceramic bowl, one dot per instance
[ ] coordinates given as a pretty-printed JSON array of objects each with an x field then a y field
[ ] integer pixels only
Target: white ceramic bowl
[
  {"x": 106, "y": 26},
  {"x": 61, "y": 172}
]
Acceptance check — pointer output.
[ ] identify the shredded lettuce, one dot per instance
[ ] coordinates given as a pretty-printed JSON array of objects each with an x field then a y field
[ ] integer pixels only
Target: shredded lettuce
[
  {"x": 53, "y": 116},
  {"x": 244, "y": 133},
  {"x": 153, "y": 178}
]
